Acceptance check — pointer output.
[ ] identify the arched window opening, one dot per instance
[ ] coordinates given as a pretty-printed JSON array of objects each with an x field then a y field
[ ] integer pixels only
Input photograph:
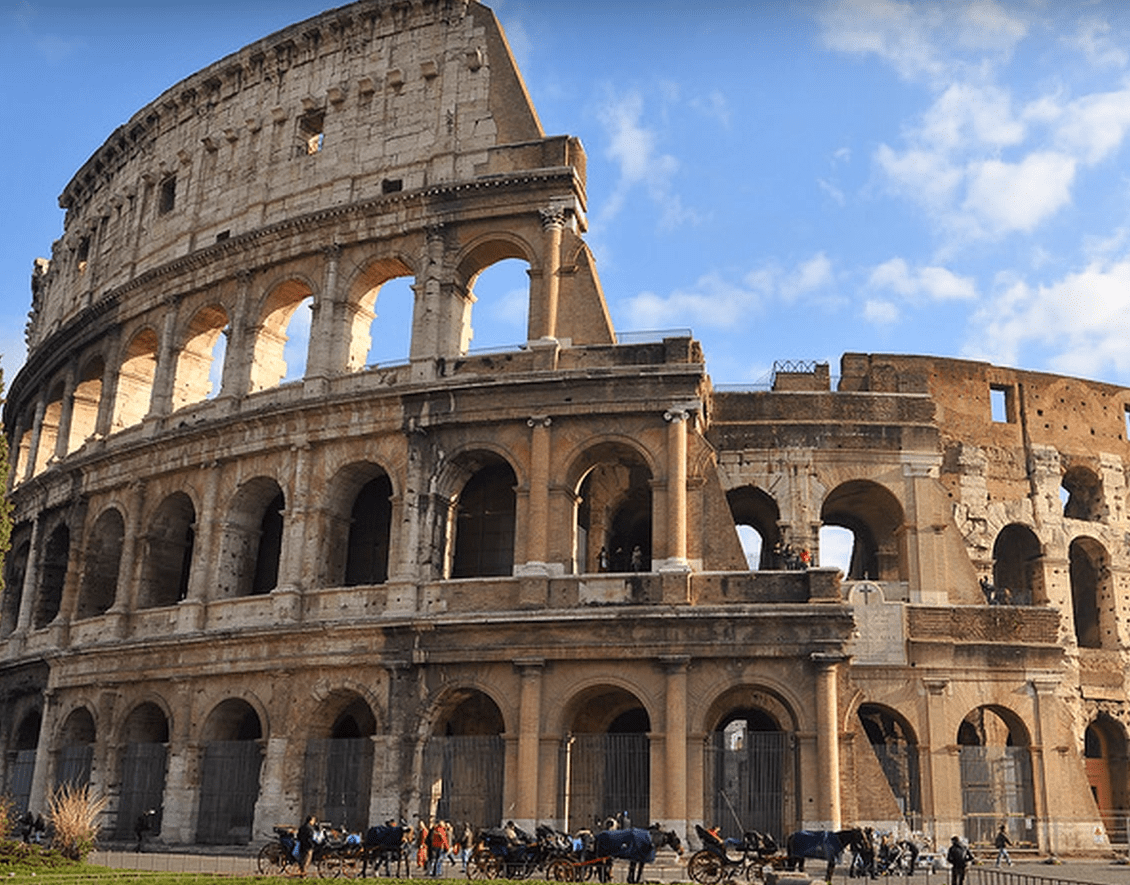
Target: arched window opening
[
  {"x": 756, "y": 516},
  {"x": 229, "y": 781},
  {"x": 501, "y": 293},
  {"x": 383, "y": 301},
  {"x": 836, "y": 547},
  {"x": 102, "y": 563},
  {"x": 252, "y": 543},
  {"x": 49, "y": 428},
  {"x": 76, "y": 749},
  {"x": 613, "y": 514},
  {"x": 464, "y": 759},
  {"x": 194, "y": 375},
  {"x": 1017, "y": 565},
  {"x": 270, "y": 547},
  {"x": 142, "y": 770},
  {"x": 135, "y": 380},
  {"x": 15, "y": 570},
  {"x": 369, "y": 528},
  {"x": 608, "y": 757},
  {"x": 283, "y": 337},
  {"x": 339, "y": 768},
  {"x": 484, "y": 522},
  {"x": 896, "y": 749},
  {"x": 874, "y": 517},
  {"x": 1084, "y": 492},
  {"x": 170, "y": 540},
  {"x": 1091, "y": 593},
  {"x": 748, "y": 771},
  {"x": 22, "y": 768},
  {"x": 56, "y": 555},
  {"x": 85, "y": 403},
  {"x": 996, "y": 777},
  {"x": 1108, "y": 774}
]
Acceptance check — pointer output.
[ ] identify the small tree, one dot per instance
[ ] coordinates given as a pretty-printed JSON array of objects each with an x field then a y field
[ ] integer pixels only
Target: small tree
[{"x": 74, "y": 812}]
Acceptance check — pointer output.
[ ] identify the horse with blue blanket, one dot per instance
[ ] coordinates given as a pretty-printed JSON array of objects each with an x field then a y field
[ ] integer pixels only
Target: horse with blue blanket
[
  {"x": 637, "y": 846},
  {"x": 827, "y": 845}
]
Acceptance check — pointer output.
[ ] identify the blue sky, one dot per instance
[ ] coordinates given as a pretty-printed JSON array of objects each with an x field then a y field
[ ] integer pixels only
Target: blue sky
[{"x": 789, "y": 180}]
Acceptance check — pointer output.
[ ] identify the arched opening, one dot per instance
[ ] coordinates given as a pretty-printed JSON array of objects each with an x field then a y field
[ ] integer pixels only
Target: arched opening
[
  {"x": 756, "y": 516},
  {"x": 253, "y": 539},
  {"x": 49, "y": 427},
  {"x": 170, "y": 539},
  {"x": 383, "y": 302},
  {"x": 370, "y": 523},
  {"x": 613, "y": 510},
  {"x": 607, "y": 757},
  {"x": 85, "y": 402},
  {"x": 15, "y": 570},
  {"x": 194, "y": 373},
  {"x": 76, "y": 749},
  {"x": 1017, "y": 565},
  {"x": 896, "y": 749},
  {"x": 483, "y": 543},
  {"x": 1108, "y": 774},
  {"x": 464, "y": 760},
  {"x": 229, "y": 780},
  {"x": 21, "y": 446},
  {"x": 501, "y": 293},
  {"x": 1091, "y": 593},
  {"x": 836, "y": 547},
  {"x": 142, "y": 769},
  {"x": 339, "y": 763},
  {"x": 135, "y": 380},
  {"x": 56, "y": 555},
  {"x": 996, "y": 777},
  {"x": 1084, "y": 494},
  {"x": 22, "y": 767},
  {"x": 283, "y": 337},
  {"x": 101, "y": 565},
  {"x": 874, "y": 516}
]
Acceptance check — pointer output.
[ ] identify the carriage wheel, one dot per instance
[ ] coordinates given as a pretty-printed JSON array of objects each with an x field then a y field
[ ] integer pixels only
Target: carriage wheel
[
  {"x": 705, "y": 868},
  {"x": 272, "y": 859},
  {"x": 560, "y": 870},
  {"x": 351, "y": 864},
  {"x": 328, "y": 866},
  {"x": 484, "y": 865},
  {"x": 755, "y": 872}
]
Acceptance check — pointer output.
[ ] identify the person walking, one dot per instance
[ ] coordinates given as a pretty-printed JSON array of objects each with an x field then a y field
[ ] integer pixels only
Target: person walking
[
  {"x": 438, "y": 846},
  {"x": 1002, "y": 843},
  {"x": 306, "y": 838},
  {"x": 959, "y": 857}
]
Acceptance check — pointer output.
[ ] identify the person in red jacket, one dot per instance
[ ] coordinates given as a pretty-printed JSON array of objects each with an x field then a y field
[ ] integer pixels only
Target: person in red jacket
[{"x": 439, "y": 844}]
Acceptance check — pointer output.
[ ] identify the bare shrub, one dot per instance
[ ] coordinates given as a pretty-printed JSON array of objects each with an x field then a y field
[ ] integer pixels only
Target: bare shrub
[{"x": 74, "y": 812}]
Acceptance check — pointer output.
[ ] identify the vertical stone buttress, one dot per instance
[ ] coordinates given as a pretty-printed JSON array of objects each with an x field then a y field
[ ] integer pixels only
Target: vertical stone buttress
[
  {"x": 828, "y": 737},
  {"x": 66, "y": 413},
  {"x": 529, "y": 741},
  {"x": 675, "y": 558},
  {"x": 675, "y": 745},
  {"x": 537, "y": 523},
  {"x": 161, "y": 398}
]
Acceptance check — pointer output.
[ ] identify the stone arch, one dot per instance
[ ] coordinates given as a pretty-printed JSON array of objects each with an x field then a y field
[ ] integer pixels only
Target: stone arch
[
  {"x": 1108, "y": 772},
  {"x": 49, "y": 426},
  {"x": 996, "y": 775},
  {"x": 252, "y": 543},
  {"x": 363, "y": 300},
  {"x": 481, "y": 254},
  {"x": 612, "y": 484},
  {"x": 464, "y": 752},
  {"x": 25, "y": 742},
  {"x": 21, "y": 464},
  {"x": 895, "y": 745},
  {"x": 608, "y": 755},
  {"x": 135, "y": 379},
  {"x": 101, "y": 564},
  {"x": 1083, "y": 490},
  {"x": 482, "y": 514},
  {"x": 757, "y": 509},
  {"x": 75, "y": 748},
  {"x": 53, "y": 576},
  {"x": 359, "y": 508},
  {"x": 231, "y": 739},
  {"x": 169, "y": 542},
  {"x": 1092, "y": 593},
  {"x": 874, "y": 516},
  {"x": 15, "y": 570},
  {"x": 86, "y": 401},
  {"x": 194, "y": 380},
  {"x": 278, "y": 308},
  {"x": 750, "y": 762},
  {"x": 143, "y": 739},
  {"x": 1018, "y": 565},
  {"x": 338, "y": 769}
]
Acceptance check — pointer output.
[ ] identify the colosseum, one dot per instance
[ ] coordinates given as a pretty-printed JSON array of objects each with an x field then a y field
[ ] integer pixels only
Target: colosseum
[{"x": 511, "y": 585}]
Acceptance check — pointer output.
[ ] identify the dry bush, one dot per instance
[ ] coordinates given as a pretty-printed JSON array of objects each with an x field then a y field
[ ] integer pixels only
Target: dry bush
[{"x": 74, "y": 812}]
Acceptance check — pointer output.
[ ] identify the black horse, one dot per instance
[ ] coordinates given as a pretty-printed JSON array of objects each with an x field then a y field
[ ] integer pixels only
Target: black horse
[
  {"x": 636, "y": 846},
  {"x": 828, "y": 845}
]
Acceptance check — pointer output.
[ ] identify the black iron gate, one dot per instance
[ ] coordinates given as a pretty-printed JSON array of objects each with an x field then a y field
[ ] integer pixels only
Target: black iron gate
[
  {"x": 461, "y": 778},
  {"x": 229, "y": 787},
  {"x": 143, "y": 788},
  {"x": 339, "y": 776},
  {"x": 21, "y": 766},
  {"x": 996, "y": 788},
  {"x": 749, "y": 780},
  {"x": 72, "y": 765},
  {"x": 605, "y": 775}
]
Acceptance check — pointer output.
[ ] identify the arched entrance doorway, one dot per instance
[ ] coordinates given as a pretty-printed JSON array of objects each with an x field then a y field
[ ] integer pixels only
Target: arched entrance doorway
[
  {"x": 229, "y": 781},
  {"x": 339, "y": 763},
  {"x": 1104, "y": 752},
  {"x": 996, "y": 777},
  {"x": 145, "y": 739},
  {"x": 464, "y": 761}
]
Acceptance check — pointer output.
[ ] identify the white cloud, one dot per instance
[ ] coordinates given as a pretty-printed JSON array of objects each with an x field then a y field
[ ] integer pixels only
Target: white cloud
[
  {"x": 1093, "y": 40},
  {"x": 930, "y": 283},
  {"x": 881, "y": 313},
  {"x": 1009, "y": 197}
]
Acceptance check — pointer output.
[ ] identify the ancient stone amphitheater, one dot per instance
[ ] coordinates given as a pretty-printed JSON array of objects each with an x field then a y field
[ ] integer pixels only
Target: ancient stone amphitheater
[{"x": 510, "y": 585}]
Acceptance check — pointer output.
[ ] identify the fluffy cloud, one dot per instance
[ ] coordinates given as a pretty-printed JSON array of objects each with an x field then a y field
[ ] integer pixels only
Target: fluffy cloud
[{"x": 931, "y": 283}]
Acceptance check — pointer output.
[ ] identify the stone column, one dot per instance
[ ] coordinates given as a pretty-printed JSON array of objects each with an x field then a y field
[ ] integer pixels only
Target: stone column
[
  {"x": 133, "y": 556},
  {"x": 324, "y": 352},
  {"x": 286, "y": 593},
  {"x": 161, "y": 402},
  {"x": 543, "y": 316},
  {"x": 105, "y": 418},
  {"x": 66, "y": 413},
  {"x": 675, "y": 813},
  {"x": 240, "y": 352},
  {"x": 36, "y": 432},
  {"x": 202, "y": 577},
  {"x": 40, "y": 777},
  {"x": 537, "y": 521},
  {"x": 529, "y": 729},
  {"x": 828, "y": 737},
  {"x": 31, "y": 579},
  {"x": 941, "y": 767},
  {"x": 1043, "y": 699},
  {"x": 676, "y": 536}
]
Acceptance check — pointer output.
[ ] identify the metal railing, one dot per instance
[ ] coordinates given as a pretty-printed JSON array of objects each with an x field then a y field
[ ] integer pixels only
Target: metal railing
[{"x": 984, "y": 875}]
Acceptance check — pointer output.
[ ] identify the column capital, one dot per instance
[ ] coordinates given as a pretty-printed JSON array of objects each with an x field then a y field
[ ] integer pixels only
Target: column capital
[
  {"x": 554, "y": 217},
  {"x": 675, "y": 415},
  {"x": 674, "y": 664},
  {"x": 529, "y": 666},
  {"x": 539, "y": 421}
]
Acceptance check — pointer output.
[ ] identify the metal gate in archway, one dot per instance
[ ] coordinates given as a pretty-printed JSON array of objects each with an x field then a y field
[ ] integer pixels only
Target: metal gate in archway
[
  {"x": 749, "y": 782},
  {"x": 996, "y": 788},
  {"x": 605, "y": 775},
  {"x": 142, "y": 787},
  {"x": 461, "y": 778},
  {"x": 229, "y": 787},
  {"x": 338, "y": 781}
]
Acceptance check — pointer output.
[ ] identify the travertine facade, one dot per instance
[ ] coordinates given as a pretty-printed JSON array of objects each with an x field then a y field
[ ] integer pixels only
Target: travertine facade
[{"x": 510, "y": 585}]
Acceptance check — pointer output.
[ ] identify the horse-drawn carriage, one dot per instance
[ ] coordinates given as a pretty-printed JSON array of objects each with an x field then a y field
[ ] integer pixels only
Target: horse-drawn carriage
[
  {"x": 336, "y": 853},
  {"x": 511, "y": 853},
  {"x": 754, "y": 852}
]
